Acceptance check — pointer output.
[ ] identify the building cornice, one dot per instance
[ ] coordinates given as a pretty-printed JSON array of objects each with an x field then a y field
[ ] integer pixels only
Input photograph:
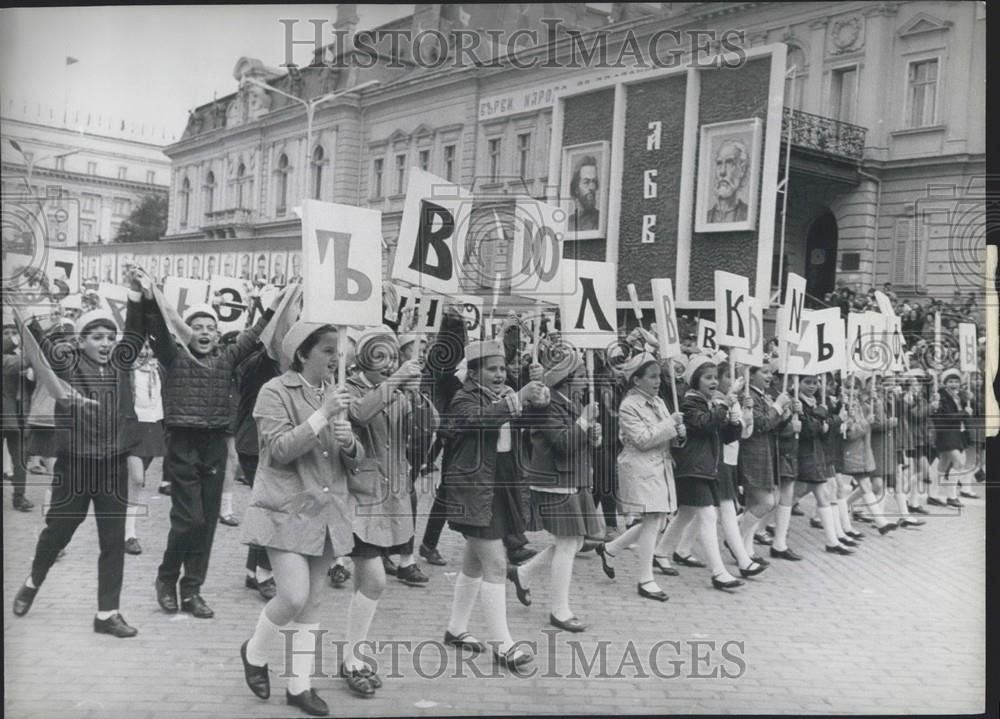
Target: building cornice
[{"x": 10, "y": 168}]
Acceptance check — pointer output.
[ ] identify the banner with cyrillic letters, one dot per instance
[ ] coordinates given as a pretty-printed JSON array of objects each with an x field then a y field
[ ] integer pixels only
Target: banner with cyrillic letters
[
  {"x": 821, "y": 347},
  {"x": 968, "y": 347},
  {"x": 790, "y": 314},
  {"x": 707, "y": 341},
  {"x": 753, "y": 356},
  {"x": 665, "y": 311},
  {"x": 234, "y": 302},
  {"x": 183, "y": 293},
  {"x": 115, "y": 300},
  {"x": 342, "y": 264},
  {"x": 419, "y": 312},
  {"x": 867, "y": 349},
  {"x": 588, "y": 305},
  {"x": 732, "y": 309}
]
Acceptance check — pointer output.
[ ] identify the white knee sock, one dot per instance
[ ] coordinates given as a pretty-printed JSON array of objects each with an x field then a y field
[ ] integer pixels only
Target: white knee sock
[
  {"x": 463, "y": 600},
  {"x": 731, "y": 531},
  {"x": 875, "y": 507},
  {"x": 835, "y": 515},
  {"x": 359, "y": 621},
  {"x": 685, "y": 545},
  {"x": 47, "y": 502},
  {"x": 672, "y": 536},
  {"x": 782, "y": 518},
  {"x": 260, "y": 644},
  {"x": 562, "y": 575},
  {"x": 304, "y": 646},
  {"x": 262, "y": 575},
  {"x": 526, "y": 572},
  {"x": 904, "y": 511},
  {"x": 494, "y": 601},
  {"x": 131, "y": 512},
  {"x": 845, "y": 515},
  {"x": 227, "y": 504},
  {"x": 826, "y": 517}
]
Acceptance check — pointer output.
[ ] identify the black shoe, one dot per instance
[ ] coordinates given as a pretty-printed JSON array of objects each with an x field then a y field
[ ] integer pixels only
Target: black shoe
[
  {"x": 602, "y": 552},
  {"x": 796, "y": 512},
  {"x": 197, "y": 607},
  {"x": 935, "y": 502},
  {"x": 770, "y": 529},
  {"x": 688, "y": 561},
  {"x": 132, "y": 546},
  {"x": 268, "y": 588},
  {"x": 847, "y": 541},
  {"x": 816, "y": 523},
  {"x": 389, "y": 566},
  {"x": 23, "y": 599},
  {"x": 359, "y": 681},
  {"x": 412, "y": 576},
  {"x": 257, "y": 677},
  {"x": 763, "y": 539},
  {"x": 570, "y": 625},
  {"x": 513, "y": 659},
  {"x": 229, "y": 520},
  {"x": 968, "y": 494},
  {"x": 907, "y": 522},
  {"x": 589, "y": 545},
  {"x": 785, "y": 554},
  {"x": 658, "y": 595},
  {"x": 726, "y": 586},
  {"x": 858, "y": 517},
  {"x": 464, "y": 641},
  {"x": 166, "y": 596},
  {"x": 916, "y": 510},
  {"x": 22, "y": 503},
  {"x": 839, "y": 549},
  {"x": 116, "y": 626},
  {"x": 886, "y": 528},
  {"x": 309, "y": 702},
  {"x": 338, "y": 574},
  {"x": 164, "y": 488},
  {"x": 980, "y": 475},
  {"x": 664, "y": 568},
  {"x": 374, "y": 678},
  {"x": 432, "y": 555},
  {"x": 753, "y": 570},
  {"x": 855, "y": 535},
  {"x": 523, "y": 593},
  {"x": 955, "y": 503},
  {"x": 520, "y": 555},
  {"x": 759, "y": 559}
]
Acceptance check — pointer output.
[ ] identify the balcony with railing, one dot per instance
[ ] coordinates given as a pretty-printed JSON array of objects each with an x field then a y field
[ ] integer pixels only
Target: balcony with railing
[
  {"x": 823, "y": 134},
  {"x": 233, "y": 222}
]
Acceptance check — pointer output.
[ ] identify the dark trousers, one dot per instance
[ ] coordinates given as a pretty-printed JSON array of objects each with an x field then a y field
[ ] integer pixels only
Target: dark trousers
[
  {"x": 13, "y": 438},
  {"x": 103, "y": 481},
  {"x": 195, "y": 465},
  {"x": 256, "y": 555}
]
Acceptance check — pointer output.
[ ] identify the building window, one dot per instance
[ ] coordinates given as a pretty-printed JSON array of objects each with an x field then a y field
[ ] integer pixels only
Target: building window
[
  {"x": 524, "y": 153},
  {"x": 400, "y": 174},
  {"x": 87, "y": 232},
  {"x": 120, "y": 207},
  {"x": 61, "y": 163},
  {"x": 449, "y": 163},
  {"x": 795, "y": 84},
  {"x": 921, "y": 93},
  {"x": 281, "y": 191},
  {"x": 209, "y": 192},
  {"x": 91, "y": 168},
  {"x": 241, "y": 177},
  {"x": 185, "y": 201},
  {"x": 88, "y": 203},
  {"x": 318, "y": 160},
  {"x": 122, "y": 173},
  {"x": 844, "y": 93},
  {"x": 150, "y": 177},
  {"x": 494, "y": 155},
  {"x": 424, "y": 160},
  {"x": 377, "y": 169}
]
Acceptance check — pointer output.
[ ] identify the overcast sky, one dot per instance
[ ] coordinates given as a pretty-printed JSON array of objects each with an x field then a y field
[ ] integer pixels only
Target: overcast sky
[{"x": 147, "y": 65}]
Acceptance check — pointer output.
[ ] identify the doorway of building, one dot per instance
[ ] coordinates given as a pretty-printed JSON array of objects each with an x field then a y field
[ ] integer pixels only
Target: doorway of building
[{"x": 821, "y": 255}]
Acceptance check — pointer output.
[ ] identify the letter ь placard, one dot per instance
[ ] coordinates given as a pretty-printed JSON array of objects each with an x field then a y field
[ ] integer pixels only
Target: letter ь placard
[
  {"x": 342, "y": 258},
  {"x": 435, "y": 219},
  {"x": 587, "y": 306}
]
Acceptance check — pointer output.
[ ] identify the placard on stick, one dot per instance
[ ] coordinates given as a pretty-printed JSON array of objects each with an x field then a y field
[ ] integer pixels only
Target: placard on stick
[
  {"x": 732, "y": 309},
  {"x": 587, "y": 306},
  {"x": 665, "y": 311}
]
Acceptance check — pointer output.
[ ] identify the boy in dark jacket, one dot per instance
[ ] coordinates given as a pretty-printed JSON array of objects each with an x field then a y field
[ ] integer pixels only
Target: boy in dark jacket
[
  {"x": 196, "y": 415},
  {"x": 97, "y": 423}
]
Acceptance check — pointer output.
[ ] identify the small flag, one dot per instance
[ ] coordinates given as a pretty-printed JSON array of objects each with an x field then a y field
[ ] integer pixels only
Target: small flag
[{"x": 71, "y": 60}]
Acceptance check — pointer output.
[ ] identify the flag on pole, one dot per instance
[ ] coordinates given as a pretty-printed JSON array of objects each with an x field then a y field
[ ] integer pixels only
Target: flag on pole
[{"x": 71, "y": 61}]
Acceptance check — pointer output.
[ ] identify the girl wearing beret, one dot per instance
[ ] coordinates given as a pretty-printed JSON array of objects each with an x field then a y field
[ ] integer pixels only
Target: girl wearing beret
[{"x": 859, "y": 461}]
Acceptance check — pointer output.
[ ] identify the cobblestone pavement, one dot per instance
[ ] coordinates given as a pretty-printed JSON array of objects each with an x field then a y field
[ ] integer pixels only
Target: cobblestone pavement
[{"x": 897, "y": 628}]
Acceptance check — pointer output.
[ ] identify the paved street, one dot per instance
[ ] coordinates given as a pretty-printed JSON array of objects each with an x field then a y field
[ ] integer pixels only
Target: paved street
[{"x": 897, "y": 628}]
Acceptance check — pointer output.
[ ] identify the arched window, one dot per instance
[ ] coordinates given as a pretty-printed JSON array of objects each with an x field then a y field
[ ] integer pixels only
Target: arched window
[
  {"x": 185, "y": 201},
  {"x": 318, "y": 160},
  {"x": 281, "y": 191},
  {"x": 209, "y": 192},
  {"x": 241, "y": 178},
  {"x": 795, "y": 84}
]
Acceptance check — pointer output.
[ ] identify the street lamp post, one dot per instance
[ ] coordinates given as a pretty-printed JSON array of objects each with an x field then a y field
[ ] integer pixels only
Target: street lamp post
[{"x": 310, "y": 105}]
